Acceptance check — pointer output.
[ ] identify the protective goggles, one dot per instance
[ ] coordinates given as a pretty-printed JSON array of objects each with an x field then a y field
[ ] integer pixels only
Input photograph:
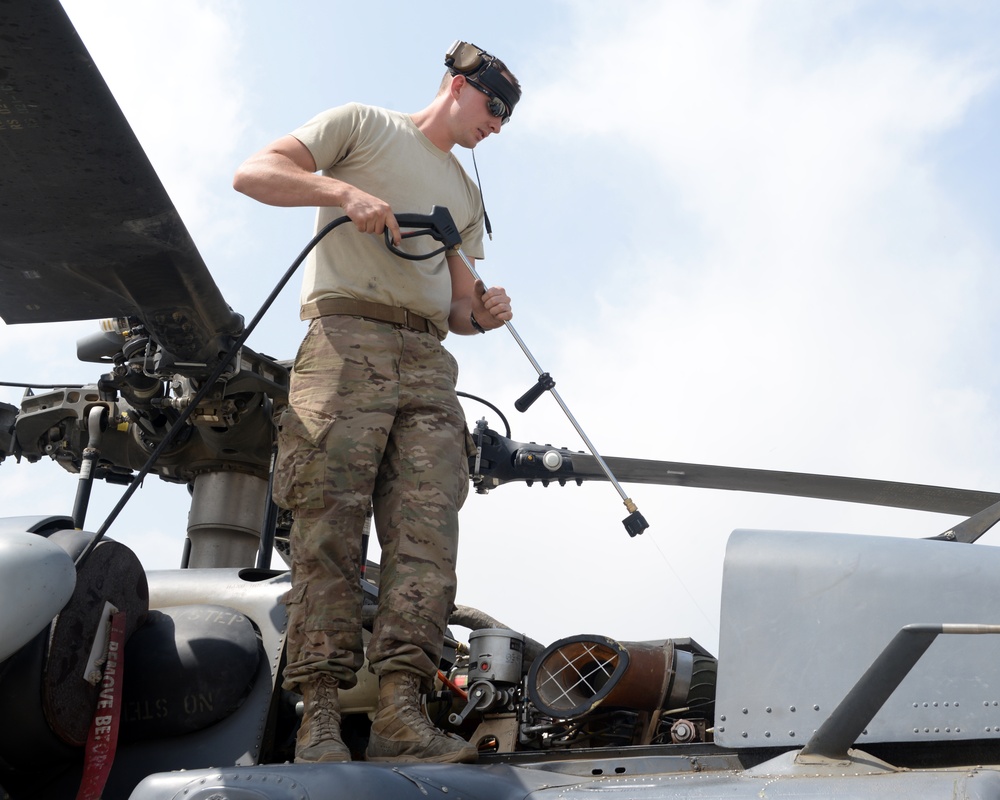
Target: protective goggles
[{"x": 485, "y": 73}]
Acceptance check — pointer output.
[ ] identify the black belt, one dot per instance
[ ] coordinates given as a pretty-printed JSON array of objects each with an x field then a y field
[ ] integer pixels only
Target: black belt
[{"x": 348, "y": 306}]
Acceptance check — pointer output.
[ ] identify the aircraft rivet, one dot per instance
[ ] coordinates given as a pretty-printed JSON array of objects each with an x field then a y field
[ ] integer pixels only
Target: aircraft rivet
[
  {"x": 792, "y": 709},
  {"x": 746, "y": 710},
  {"x": 791, "y": 734},
  {"x": 815, "y": 708},
  {"x": 744, "y": 734},
  {"x": 722, "y": 718},
  {"x": 767, "y": 734}
]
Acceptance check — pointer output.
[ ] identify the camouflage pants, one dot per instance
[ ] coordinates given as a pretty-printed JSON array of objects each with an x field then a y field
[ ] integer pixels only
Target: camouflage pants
[{"x": 372, "y": 419}]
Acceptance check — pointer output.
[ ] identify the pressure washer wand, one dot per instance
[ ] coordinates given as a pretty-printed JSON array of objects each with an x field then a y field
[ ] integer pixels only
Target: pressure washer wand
[
  {"x": 635, "y": 523},
  {"x": 440, "y": 225}
]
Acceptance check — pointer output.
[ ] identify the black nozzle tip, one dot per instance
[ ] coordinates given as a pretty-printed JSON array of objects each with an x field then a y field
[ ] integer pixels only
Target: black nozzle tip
[{"x": 635, "y": 523}]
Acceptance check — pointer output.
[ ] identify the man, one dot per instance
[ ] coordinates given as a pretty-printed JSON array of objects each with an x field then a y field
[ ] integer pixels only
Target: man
[{"x": 373, "y": 419}]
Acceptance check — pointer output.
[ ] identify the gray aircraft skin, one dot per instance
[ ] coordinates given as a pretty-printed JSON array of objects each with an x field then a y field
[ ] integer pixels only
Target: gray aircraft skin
[{"x": 848, "y": 666}]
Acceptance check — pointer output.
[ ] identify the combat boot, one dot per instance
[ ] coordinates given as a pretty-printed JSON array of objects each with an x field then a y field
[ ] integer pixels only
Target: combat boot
[
  {"x": 401, "y": 731},
  {"x": 319, "y": 737}
]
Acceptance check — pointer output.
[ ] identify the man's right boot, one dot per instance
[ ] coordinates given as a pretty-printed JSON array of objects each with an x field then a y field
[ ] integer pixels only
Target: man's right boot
[{"x": 319, "y": 738}]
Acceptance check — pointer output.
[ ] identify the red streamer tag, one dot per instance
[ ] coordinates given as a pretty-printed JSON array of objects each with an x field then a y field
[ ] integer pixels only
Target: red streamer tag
[{"x": 103, "y": 737}]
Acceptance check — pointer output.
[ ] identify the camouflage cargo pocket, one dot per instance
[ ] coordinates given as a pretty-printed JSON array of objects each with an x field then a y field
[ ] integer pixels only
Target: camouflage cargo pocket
[
  {"x": 293, "y": 596},
  {"x": 300, "y": 469}
]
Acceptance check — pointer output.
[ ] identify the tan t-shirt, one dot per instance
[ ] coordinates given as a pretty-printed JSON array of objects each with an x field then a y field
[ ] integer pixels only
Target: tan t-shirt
[{"x": 383, "y": 153}]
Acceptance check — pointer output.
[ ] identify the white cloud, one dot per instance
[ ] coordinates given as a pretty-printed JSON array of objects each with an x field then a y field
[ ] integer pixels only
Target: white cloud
[{"x": 819, "y": 246}]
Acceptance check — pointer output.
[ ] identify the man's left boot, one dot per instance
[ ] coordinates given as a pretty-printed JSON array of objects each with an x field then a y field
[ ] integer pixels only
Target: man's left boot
[{"x": 402, "y": 733}]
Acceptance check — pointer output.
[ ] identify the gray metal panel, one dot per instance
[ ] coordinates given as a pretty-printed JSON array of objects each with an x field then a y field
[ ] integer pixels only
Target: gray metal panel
[
  {"x": 238, "y": 738},
  {"x": 428, "y": 781},
  {"x": 357, "y": 781},
  {"x": 805, "y": 614}
]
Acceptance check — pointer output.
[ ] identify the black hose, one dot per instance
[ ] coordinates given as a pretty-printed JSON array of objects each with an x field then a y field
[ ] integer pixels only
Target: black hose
[
  {"x": 474, "y": 619},
  {"x": 206, "y": 387}
]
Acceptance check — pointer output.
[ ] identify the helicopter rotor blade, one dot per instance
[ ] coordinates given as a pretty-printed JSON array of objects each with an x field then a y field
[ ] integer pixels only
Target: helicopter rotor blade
[
  {"x": 88, "y": 231},
  {"x": 893, "y": 494},
  {"x": 502, "y": 460}
]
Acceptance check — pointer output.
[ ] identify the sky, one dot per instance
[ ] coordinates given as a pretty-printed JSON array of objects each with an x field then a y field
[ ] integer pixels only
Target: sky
[{"x": 750, "y": 233}]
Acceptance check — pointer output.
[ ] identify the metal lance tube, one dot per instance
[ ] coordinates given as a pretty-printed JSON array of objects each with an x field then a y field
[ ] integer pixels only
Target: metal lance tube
[{"x": 634, "y": 523}]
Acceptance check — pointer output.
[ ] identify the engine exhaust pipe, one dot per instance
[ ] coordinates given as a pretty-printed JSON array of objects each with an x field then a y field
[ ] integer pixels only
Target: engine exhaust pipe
[{"x": 574, "y": 676}]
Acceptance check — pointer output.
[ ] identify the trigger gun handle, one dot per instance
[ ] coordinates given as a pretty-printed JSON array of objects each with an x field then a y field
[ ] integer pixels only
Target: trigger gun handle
[{"x": 438, "y": 224}]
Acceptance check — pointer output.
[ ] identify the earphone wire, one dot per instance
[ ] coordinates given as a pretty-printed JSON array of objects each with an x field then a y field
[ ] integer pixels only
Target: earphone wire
[{"x": 486, "y": 216}]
